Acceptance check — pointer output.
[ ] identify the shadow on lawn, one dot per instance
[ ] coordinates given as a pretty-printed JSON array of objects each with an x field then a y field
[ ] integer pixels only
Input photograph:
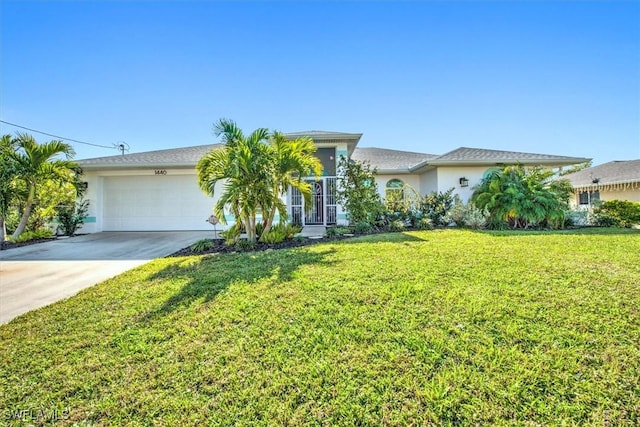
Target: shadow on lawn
[
  {"x": 210, "y": 275},
  {"x": 586, "y": 231}
]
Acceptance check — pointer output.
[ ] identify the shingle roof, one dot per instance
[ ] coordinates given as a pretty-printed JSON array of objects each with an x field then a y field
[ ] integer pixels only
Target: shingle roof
[
  {"x": 323, "y": 134},
  {"x": 385, "y": 159},
  {"x": 616, "y": 172},
  {"x": 173, "y": 157},
  {"x": 466, "y": 155}
]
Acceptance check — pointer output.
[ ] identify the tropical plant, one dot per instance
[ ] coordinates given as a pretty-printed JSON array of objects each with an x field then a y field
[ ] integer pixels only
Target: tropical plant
[
  {"x": 436, "y": 205},
  {"x": 291, "y": 160},
  {"x": 523, "y": 198},
  {"x": 231, "y": 235},
  {"x": 243, "y": 169},
  {"x": 275, "y": 235},
  {"x": 255, "y": 171},
  {"x": 202, "y": 245},
  {"x": 357, "y": 191},
  {"x": 8, "y": 173},
  {"x": 37, "y": 163},
  {"x": 27, "y": 236},
  {"x": 71, "y": 217}
]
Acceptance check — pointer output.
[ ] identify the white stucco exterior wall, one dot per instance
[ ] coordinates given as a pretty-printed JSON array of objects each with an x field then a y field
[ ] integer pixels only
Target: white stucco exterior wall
[{"x": 450, "y": 177}]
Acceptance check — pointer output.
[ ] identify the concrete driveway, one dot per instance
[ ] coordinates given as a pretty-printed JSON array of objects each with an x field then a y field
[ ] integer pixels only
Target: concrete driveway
[{"x": 38, "y": 275}]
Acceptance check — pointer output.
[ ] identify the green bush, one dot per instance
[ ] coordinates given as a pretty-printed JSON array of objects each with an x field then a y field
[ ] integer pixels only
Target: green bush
[
  {"x": 275, "y": 235},
  {"x": 231, "y": 235},
  {"x": 617, "y": 213},
  {"x": 202, "y": 245},
  {"x": 358, "y": 192},
  {"x": 41, "y": 233},
  {"x": 245, "y": 245},
  {"x": 338, "y": 231},
  {"x": 475, "y": 218},
  {"x": 397, "y": 225},
  {"x": 436, "y": 205},
  {"x": 576, "y": 218},
  {"x": 363, "y": 227},
  {"x": 71, "y": 217},
  {"x": 424, "y": 223}
]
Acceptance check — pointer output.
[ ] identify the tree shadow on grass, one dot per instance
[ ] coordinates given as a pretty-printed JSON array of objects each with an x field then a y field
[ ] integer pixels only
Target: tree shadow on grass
[
  {"x": 586, "y": 231},
  {"x": 206, "y": 277}
]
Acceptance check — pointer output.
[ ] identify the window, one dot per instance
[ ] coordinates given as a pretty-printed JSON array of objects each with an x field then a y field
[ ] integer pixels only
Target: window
[
  {"x": 395, "y": 189},
  {"x": 588, "y": 197}
]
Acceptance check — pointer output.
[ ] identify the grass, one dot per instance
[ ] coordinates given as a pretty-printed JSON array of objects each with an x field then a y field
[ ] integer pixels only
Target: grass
[{"x": 442, "y": 327}]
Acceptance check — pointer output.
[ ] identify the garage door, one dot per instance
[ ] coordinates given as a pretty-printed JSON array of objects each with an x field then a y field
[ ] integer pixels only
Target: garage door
[{"x": 154, "y": 203}]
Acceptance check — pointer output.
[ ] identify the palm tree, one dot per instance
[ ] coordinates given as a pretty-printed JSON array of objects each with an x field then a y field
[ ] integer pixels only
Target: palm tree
[
  {"x": 291, "y": 161},
  {"x": 242, "y": 166},
  {"x": 523, "y": 197},
  {"x": 37, "y": 163},
  {"x": 8, "y": 172}
]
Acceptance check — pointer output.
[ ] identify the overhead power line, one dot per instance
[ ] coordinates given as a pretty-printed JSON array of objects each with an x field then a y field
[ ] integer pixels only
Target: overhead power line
[{"x": 59, "y": 137}]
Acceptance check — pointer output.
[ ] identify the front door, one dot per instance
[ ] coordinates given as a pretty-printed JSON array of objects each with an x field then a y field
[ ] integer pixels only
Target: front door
[{"x": 315, "y": 215}]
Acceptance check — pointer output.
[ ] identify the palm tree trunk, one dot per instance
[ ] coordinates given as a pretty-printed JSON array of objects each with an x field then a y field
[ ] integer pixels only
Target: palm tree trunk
[
  {"x": 25, "y": 214},
  {"x": 269, "y": 223},
  {"x": 3, "y": 229}
]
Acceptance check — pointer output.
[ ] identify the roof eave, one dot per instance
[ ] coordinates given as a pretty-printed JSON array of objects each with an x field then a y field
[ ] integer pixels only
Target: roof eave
[
  {"x": 131, "y": 166},
  {"x": 499, "y": 162}
]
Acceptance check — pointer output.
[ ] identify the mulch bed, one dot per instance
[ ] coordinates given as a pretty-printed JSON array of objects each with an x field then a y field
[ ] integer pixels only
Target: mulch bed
[{"x": 220, "y": 247}]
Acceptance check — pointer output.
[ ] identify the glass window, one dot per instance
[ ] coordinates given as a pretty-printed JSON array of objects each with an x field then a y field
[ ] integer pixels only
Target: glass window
[
  {"x": 588, "y": 197},
  {"x": 395, "y": 187},
  {"x": 327, "y": 157}
]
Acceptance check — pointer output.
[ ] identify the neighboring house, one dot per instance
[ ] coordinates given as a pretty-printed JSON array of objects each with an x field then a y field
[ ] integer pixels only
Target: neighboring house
[
  {"x": 617, "y": 180},
  {"x": 158, "y": 190}
]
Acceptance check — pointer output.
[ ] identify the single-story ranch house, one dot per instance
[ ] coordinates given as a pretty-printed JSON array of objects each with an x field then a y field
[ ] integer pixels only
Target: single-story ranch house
[
  {"x": 158, "y": 190},
  {"x": 617, "y": 180}
]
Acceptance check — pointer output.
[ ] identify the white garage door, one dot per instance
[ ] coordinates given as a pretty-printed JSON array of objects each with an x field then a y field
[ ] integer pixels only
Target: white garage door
[{"x": 154, "y": 203}]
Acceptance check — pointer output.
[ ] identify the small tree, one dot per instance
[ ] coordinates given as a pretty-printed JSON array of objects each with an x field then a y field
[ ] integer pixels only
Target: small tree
[{"x": 357, "y": 192}]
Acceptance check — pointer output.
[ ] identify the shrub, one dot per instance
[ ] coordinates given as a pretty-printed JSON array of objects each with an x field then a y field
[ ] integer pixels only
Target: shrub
[
  {"x": 231, "y": 235},
  {"x": 576, "y": 218},
  {"x": 397, "y": 225},
  {"x": 202, "y": 245},
  {"x": 363, "y": 227},
  {"x": 338, "y": 231},
  {"x": 424, "y": 223},
  {"x": 245, "y": 245},
  {"x": 456, "y": 213},
  {"x": 475, "y": 218},
  {"x": 290, "y": 230},
  {"x": 358, "y": 192},
  {"x": 41, "y": 233},
  {"x": 71, "y": 217},
  {"x": 275, "y": 235},
  {"x": 436, "y": 205},
  {"x": 619, "y": 213}
]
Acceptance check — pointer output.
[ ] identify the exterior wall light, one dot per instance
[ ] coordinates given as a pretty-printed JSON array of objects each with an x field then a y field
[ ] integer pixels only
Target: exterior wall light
[{"x": 464, "y": 182}]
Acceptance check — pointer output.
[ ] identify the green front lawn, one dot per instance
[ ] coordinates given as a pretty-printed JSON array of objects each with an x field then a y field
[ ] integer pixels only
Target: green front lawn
[{"x": 436, "y": 327}]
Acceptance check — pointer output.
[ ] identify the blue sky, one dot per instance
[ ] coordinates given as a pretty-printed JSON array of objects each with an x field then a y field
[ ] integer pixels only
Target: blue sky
[{"x": 545, "y": 77}]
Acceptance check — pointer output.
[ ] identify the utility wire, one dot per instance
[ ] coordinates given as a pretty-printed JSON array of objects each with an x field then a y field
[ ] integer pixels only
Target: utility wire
[{"x": 56, "y": 136}]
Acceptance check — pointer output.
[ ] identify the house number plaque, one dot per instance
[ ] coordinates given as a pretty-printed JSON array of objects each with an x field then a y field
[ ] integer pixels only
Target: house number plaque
[{"x": 160, "y": 172}]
